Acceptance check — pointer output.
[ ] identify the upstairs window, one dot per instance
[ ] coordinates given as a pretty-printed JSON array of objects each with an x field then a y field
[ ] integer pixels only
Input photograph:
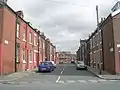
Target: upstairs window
[
  {"x": 34, "y": 40},
  {"x": 24, "y": 35},
  {"x": 18, "y": 30},
  {"x": 30, "y": 56},
  {"x": 30, "y": 38},
  {"x": 17, "y": 53}
]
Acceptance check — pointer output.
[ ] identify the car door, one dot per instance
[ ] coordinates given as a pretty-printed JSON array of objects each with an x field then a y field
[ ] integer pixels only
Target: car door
[{"x": 51, "y": 65}]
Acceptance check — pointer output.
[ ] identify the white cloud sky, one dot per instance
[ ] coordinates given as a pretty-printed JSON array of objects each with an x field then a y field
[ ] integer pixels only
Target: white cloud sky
[{"x": 65, "y": 22}]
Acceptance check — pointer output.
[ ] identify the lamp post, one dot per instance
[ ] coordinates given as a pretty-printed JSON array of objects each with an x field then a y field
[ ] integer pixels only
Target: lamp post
[{"x": 100, "y": 62}]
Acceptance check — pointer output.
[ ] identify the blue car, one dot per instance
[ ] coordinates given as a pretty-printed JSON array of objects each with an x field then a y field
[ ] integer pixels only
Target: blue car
[{"x": 45, "y": 67}]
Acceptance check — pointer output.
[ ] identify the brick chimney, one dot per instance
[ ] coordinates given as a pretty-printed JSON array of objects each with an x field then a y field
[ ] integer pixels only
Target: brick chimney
[{"x": 20, "y": 13}]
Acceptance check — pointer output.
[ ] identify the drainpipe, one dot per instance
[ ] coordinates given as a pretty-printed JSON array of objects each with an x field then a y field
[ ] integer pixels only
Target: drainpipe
[
  {"x": 27, "y": 55},
  {"x": 38, "y": 48},
  {"x": 15, "y": 43},
  {"x": 100, "y": 62}
]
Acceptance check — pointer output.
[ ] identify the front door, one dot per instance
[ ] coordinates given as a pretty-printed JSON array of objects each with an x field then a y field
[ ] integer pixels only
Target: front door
[{"x": 37, "y": 59}]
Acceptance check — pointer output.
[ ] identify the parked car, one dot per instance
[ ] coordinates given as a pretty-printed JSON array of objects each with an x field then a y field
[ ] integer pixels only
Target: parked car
[
  {"x": 81, "y": 65},
  {"x": 72, "y": 61},
  {"x": 52, "y": 62},
  {"x": 45, "y": 66},
  {"x": 61, "y": 62}
]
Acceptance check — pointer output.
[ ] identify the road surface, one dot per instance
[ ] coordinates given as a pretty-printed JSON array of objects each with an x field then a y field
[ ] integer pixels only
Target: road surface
[{"x": 65, "y": 77}]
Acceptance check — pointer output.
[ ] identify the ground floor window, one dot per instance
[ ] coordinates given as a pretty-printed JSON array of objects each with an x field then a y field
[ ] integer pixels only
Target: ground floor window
[
  {"x": 30, "y": 56},
  {"x": 34, "y": 57},
  {"x": 23, "y": 55},
  {"x": 17, "y": 53}
]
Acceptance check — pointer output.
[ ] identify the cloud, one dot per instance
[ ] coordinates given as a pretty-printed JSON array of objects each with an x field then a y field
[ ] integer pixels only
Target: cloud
[{"x": 64, "y": 21}]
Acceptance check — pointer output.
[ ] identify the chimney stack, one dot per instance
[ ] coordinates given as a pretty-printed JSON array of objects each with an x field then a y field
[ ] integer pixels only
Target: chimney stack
[{"x": 20, "y": 13}]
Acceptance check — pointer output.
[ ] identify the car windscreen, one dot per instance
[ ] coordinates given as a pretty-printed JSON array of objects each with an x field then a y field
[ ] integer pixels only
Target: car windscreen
[
  {"x": 44, "y": 63},
  {"x": 49, "y": 62},
  {"x": 80, "y": 62}
]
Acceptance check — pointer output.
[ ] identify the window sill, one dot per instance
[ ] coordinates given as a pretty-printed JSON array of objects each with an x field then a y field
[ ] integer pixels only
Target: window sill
[
  {"x": 30, "y": 62},
  {"x": 18, "y": 37},
  {"x": 18, "y": 62},
  {"x": 100, "y": 49},
  {"x": 24, "y": 62},
  {"x": 36, "y": 51},
  {"x": 35, "y": 45},
  {"x": 30, "y": 43},
  {"x": 24, "y": 40}
]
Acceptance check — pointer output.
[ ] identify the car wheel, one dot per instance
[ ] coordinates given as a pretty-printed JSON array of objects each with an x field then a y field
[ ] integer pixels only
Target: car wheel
[
  {"x": 85, "y": 68},
  {"x": 77, "y": 68},
  {"x": 50, "y": 70}
]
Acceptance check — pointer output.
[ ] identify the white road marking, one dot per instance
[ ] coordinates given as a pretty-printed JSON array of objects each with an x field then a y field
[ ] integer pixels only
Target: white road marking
[
  {"x": 112, "y": 80},
  {"x": 102, "y": 80},
  {"x": 23, "y": 82},
  {"x": 82, "y": 81},
  {"x": 71, "y": 81},
  {"x": 58, "y": 79},
  {"x": 95, "y": 81},
  {"x": 62, "y": 71},
  {"x": 61, "y": 81},
  {"x": 36, "y": 82},
  {"x": 11, "y": 82}
]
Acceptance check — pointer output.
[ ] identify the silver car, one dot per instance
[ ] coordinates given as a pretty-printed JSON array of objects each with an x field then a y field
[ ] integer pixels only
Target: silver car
[{"x": 81, "y": 65}]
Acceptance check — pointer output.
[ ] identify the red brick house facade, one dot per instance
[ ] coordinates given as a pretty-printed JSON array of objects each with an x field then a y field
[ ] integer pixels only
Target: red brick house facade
[
  {"x": 50, "y": 50},
  {"x": 21, "y": 46},
  {"x": 103, "y": 45},
  {"x": 7, "y": 40}
]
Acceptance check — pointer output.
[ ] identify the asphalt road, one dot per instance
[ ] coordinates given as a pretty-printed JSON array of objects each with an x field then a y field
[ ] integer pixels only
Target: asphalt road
[{"x": 65, "y": 77}]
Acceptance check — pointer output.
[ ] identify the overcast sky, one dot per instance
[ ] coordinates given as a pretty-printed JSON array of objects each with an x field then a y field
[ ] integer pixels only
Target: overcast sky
[{"x": 65, "y": 22}]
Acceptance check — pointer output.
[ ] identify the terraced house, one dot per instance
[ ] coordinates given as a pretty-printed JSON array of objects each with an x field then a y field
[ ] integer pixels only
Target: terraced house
[
  {"x": 95, "y": 50},
  {"x": 22, "y": 47},
  {"x": 103, "y": 45}
]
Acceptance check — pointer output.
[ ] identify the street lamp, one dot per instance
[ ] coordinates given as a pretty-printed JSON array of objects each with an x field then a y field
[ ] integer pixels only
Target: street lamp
[{"x": 100, "y": 62}]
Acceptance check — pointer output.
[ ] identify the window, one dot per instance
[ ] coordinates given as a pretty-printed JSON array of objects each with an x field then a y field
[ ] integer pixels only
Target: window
[
  {"x": 43, "y": 45},
  {"x": 30, "y": 56},
  {"x": 34, "y": 57},
  {"x": 95, "y": 40},
  {"x": 23, "y": 53},
  {"x": 30, "y": 37},
  {"x": 18, "y": 30},
  {"x": 91, "y": 43},
  {"x": 17, "y": 53},
  {"x": 24, "y": 35},
  {"x": 34, "y": 40},
  {"x": 39, "y": 42},
  {"x": 100, "y": 37}
]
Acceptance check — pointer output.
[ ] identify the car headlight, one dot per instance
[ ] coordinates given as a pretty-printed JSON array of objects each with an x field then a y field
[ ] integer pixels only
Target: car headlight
[{"x": 78, "y": 65}]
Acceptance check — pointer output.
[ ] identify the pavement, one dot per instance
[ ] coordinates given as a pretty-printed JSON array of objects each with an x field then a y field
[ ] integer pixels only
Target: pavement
[
  {"x": 104, "y": 75},
  {"x": 64, "y": 77},
  {"x": 16, "y": 75}
]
